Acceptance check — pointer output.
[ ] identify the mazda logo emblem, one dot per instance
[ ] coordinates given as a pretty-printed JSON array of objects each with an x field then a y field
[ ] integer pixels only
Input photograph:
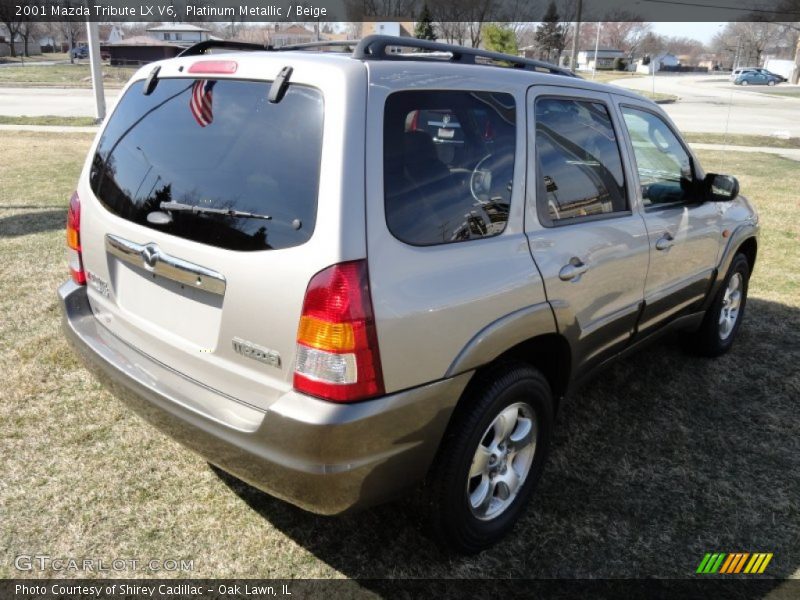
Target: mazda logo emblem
[{"x": 150, "y": 255}]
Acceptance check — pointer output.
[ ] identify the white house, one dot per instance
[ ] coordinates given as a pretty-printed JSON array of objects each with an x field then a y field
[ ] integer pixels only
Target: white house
[
  {"x": 179, "y": 32},
  {"x": 604, "y": 60},
  {"x": 658, "y": 62}
]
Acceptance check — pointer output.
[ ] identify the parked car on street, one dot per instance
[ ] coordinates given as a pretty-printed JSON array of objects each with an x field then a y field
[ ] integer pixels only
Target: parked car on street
[
  {"x": 757, "y": 78},
  {"x": 736, "y": 72},
  {"x": 80, "y": 52},
  {"x": 343, "y": 276}
]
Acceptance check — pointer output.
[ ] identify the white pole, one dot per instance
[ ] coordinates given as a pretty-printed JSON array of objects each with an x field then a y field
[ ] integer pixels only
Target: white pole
[
  {"x": 97, "y": 70},
  {"x": 596, "y": 48}
]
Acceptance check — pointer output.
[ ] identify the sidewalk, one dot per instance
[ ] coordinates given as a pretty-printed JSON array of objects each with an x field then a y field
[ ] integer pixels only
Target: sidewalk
[{"x": 50, "y": 128}]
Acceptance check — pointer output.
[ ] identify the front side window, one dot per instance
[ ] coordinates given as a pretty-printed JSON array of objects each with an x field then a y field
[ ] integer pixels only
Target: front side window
[
  {"x": 448, "y": 165},
  {"x": 665, "y": 168},
  {"x": 209, "y": 160},
  {"x": 580, "y": 166}
]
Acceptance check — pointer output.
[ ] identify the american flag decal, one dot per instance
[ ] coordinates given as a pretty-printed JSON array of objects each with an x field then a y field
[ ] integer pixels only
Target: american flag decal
[{"x": 200, "y": 102}]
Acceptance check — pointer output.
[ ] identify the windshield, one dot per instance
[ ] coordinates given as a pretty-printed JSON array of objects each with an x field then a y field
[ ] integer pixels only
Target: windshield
[{"x": 214, "y": 144}]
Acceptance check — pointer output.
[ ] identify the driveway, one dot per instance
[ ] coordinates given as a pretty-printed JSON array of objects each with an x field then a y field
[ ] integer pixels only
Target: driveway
[
  {"x": 712, "y": 103},
  {"x": 61, "y": 102}
]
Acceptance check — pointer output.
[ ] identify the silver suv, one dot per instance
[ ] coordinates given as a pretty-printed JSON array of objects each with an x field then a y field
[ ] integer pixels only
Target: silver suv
[{"x": 341, "y": 275}]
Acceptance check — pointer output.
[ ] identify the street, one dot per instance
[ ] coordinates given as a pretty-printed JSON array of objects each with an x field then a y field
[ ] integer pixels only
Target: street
[
  {"x": 711, "y": 103},
  {"x": 60, "y": 102}
]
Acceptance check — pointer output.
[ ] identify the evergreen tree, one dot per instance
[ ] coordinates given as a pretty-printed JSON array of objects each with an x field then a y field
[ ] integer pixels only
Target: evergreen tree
[
  {"x": 424, "y": 29},
  {"x": 551, "y": 35},
  {"x": 500, "y": 38}
]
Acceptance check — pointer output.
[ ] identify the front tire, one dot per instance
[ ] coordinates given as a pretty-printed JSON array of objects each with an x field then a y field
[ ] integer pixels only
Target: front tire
[
  {"x": 490, "y": 459},
  {"x": 724, "y": 317}
]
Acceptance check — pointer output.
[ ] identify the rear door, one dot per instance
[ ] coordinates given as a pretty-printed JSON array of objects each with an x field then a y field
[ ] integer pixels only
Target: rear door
[
  {"x": 684, "y": 232},
  {"x": 447, "y": 253},
  {"x": 583, "y": 225},
  {"x": 207, "y": 209}
]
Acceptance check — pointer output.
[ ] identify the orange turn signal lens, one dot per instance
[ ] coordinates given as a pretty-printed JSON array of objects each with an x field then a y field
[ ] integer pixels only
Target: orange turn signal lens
[{"x": 333, "y": 337}]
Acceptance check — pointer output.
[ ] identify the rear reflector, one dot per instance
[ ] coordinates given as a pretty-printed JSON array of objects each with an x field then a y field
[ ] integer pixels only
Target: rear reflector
[
  {"x": 74, "y": 258},
  {"x": 337, "y": 345},
  {"x": 219, "y": 67}
]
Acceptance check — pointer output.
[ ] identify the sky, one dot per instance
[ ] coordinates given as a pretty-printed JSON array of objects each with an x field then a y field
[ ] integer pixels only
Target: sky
[{"x": 699, "y": 31}]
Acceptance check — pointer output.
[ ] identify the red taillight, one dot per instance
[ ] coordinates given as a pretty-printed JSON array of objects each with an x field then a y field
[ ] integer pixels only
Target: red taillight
[
  {"x": 224, "y": 67},
  {"x": 337, "y": 345},
  {"x": 74, "y": 258}
]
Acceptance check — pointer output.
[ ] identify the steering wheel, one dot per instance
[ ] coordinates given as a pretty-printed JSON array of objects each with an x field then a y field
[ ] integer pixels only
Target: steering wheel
[{"x": 480, "y": 177}]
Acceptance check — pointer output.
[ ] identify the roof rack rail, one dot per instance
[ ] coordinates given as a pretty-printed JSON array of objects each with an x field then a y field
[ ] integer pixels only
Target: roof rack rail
[
  {"x": 202, "y": 47},
  {"x": 373, "y": 47},
  {"x": 319, "y": 44}
]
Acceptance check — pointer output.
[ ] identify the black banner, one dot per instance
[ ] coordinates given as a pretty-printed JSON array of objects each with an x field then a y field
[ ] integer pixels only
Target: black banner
[
  {"x": 398, "y": 10},
  {"x": 298, "y": 589}
]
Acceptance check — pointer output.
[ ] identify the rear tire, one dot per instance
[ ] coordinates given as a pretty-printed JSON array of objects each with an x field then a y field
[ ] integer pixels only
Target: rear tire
[
  {"x": 491, "y": 458},
  {"x": 724, "y": 317}
]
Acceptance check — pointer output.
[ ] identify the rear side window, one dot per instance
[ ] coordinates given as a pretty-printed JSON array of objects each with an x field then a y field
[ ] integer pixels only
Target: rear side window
[
  {"x": 220, "y": 149},
  {"x": 579, "y": 161},
  {"x": 448, "y": 165}
]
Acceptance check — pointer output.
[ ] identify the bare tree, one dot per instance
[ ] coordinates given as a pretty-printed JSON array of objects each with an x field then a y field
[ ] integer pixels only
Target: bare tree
[
  {"x": 626, "y": 35},
  {"x": 30, "y": 29},
  {"x": 361, "y": 10},
  {"x": 12, "y": 22},
  {"x": 461, "y": 21}
]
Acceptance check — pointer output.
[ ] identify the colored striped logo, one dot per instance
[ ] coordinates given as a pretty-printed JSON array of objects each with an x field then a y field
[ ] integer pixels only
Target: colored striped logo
[{"x": 733, "y": 563}]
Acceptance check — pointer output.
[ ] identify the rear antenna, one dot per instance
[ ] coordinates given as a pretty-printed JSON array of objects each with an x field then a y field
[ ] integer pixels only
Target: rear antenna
[
  {"x": 278, "y": 88},
  {"x": 151, "y": 82}
]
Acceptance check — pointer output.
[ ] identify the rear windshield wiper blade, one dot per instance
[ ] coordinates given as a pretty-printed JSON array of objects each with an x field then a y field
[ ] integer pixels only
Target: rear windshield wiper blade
[{"x": 207, "y": 210}]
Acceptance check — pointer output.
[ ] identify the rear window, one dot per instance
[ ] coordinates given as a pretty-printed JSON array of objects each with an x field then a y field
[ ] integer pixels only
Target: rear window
[{"x": 194, "y": 153}]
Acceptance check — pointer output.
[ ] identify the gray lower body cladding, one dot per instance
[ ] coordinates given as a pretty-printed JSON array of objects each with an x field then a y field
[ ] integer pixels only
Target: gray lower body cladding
[{"x": 324, "y": 457}]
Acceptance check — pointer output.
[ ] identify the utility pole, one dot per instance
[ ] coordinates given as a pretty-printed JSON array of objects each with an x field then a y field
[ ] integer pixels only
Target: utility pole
[
  {"x": 575, "y": 35},
  {"x": 93, "y": 37},
  {"x": 795, "y": 78},
  {"x": 596, "y": 49}
]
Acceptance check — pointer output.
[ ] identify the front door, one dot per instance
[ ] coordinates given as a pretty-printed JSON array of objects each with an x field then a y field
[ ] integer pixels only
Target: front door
[{"x": 684, "y": 231}]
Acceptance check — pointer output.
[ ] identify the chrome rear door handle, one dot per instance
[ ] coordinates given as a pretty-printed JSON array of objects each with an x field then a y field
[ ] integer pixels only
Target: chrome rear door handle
[
  {"x": 573, "y": 270},
  {"x": 665, "y": 242},
  {"x": 150, "y": 258}
]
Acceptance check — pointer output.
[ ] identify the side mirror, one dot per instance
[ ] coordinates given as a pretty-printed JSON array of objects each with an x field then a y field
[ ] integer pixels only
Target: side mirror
[{"x": 720, "y": 188}]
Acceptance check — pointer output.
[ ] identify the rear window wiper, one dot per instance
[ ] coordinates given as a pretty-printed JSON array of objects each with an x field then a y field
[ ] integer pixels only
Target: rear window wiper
[{"x": 207, "y": 210}]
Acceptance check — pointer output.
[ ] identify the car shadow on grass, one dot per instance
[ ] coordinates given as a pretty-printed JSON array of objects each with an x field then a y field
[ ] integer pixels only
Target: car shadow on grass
[
  {"x": 32, "y": 222},
  {"x": 655, "y": 462}
]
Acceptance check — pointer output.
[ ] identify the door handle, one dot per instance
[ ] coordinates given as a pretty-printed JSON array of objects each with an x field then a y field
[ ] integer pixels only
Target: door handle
[
  {"x": 573, "y": 270},
  {"x": 665, "y": 242}
]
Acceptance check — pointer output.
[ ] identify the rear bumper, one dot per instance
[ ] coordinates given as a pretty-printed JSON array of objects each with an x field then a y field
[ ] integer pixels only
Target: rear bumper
[{"x": 324, "y": 457}]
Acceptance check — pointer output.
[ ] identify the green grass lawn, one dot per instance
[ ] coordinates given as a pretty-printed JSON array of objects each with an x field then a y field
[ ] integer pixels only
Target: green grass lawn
[
  {"x": 787, "y": 91},
  {"x": 659, "y": 460},
  {"x": 66, "y": 75},
  {"x": 735, "y": 139},
  {"x": 48, "y": 120}
]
